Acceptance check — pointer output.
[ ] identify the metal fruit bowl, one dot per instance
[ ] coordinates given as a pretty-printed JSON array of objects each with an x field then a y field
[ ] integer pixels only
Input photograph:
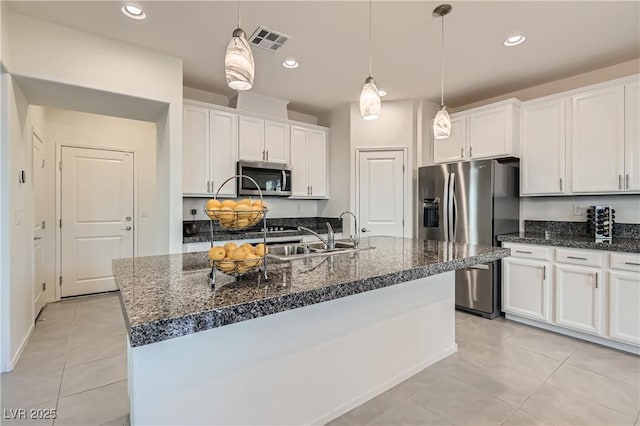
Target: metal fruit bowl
[
  {"x": 238, "y": 267},
  {"x": 235, "y": 220}
]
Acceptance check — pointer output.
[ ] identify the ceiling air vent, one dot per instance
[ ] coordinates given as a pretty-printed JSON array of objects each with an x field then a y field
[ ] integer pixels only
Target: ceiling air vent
[{"x": 268, "y": 39}]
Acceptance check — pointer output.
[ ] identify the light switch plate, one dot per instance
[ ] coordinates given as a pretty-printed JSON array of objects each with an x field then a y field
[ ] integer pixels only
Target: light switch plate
[{"x": 577, "y": 210}]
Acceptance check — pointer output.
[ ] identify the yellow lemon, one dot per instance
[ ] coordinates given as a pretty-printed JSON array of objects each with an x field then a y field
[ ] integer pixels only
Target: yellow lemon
[
  {"x": 239, "y": 254},
  {"x": 251, "y": 260},
  {"x": 243, "y": 211},
  {"x": 229, "y": 203},
  {"x": 245, "y": 201},
  {"x": 225, "y": 214},
  {"x": 230, "y": 246},
  {"x": 258, "y": 205},
  {"x": 226, "y": 266},
  {"x": 260, "y": 250},
  {"x": 217, "y": 253},
  {"x": 213, "y": 204},
  {"x": 247, "y": 247}
]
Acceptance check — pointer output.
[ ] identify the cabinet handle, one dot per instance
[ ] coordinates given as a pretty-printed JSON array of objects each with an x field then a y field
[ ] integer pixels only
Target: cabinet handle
[
  {"x": 208, "y": 187},
  {"x": 267, "y": 155},
  {"x": 619, "y": 181},
  {"x": 596, "y": 274},
  {"x": 561, "y": 184},
  {"x": 626, "y": 181},
  {"x": 632, "y": 263},
  {"x": 263, "y": 155},
  {"x": 470, "y": 151},
  {"x": 544, "y": 272},
  {"x": 461, "y": 152},
  {"x": 524, "y": 252},
  {"x": 576, "y": 258}
]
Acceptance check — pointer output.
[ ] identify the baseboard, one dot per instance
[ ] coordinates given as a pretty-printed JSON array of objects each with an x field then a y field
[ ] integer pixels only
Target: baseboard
[
  {"x": 14, "y": 361},
  {"x": 359, "y": 400},
  {"x": 577, "y": 334}
]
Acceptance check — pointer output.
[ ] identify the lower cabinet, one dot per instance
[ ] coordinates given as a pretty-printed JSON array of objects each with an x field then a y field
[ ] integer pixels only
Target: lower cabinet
[
  {"x": 624, "y": 314},
  {"x": 527, "y": 289},
  {"x": 578, "y": 298}
]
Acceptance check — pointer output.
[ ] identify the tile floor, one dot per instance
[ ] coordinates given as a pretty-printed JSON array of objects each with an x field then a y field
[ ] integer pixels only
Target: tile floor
[{"x": 504, "y": 374}]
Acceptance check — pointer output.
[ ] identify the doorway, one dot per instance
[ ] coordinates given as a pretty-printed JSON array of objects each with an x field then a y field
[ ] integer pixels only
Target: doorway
[
  {"x": 96, "y": 217},
  {"x": 381, "y": 191},
  {"x": 39, "y": 213}
]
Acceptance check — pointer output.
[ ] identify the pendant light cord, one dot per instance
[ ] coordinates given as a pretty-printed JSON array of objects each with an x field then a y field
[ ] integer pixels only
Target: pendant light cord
[
  {"x": 370, "y": 44},
  {"x": 238, "y": 13},
  {"x": 442, "y": 65}
]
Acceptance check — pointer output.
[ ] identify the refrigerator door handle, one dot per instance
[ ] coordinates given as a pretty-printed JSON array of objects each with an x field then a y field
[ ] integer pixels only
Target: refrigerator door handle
[
  {"x": 445, "y": 207},
  {"x": 451, "y": 207},
  {"x": 454, "y": 208}
]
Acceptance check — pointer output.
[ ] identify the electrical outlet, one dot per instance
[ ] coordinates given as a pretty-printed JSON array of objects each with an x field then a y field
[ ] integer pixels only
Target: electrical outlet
[
  {"x": 194, "y": 209},
  {"x": 577, "y": 210}
]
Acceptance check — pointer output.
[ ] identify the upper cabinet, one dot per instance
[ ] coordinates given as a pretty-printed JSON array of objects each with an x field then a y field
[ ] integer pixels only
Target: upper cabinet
[
  {"x": 263, "y": 140},
  {"x": 209, "y": 151},
  {"x": 542, "y": 154},
  {"x": 308, "y": 163},
  {"x": 490, "y": 131},
  {"x": 585, "y": 141}
]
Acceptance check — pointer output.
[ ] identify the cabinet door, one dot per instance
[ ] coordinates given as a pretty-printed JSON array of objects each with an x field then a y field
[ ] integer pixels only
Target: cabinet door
[
  {"x": 578, "y": 297},
  {"x": 299, "y": 173},
  {"x": 317, "y": 162},
  {"x": 453, "y": 148},
  {"x": 525, "y": 288},
  {"x": 489, "y": 132},
  {"x": 224, "y": 151},
  {"x": 542, "y": 160},
  {"x": 632, "y": 136},
  {"x": 624, "y": 306},
  {"x": 276, "y": 142},
  {"x": 597, "y": 140},
  {"x": 251, "y": 139},
  {"x": 195, "y": 150}
]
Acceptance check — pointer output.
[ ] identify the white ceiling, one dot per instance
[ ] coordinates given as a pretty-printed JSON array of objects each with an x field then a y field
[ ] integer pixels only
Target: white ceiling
[{"x": 330, "y": 41}]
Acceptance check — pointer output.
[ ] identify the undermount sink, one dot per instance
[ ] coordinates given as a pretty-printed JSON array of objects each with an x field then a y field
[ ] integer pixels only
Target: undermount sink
[{"x": 302, "y": 250}]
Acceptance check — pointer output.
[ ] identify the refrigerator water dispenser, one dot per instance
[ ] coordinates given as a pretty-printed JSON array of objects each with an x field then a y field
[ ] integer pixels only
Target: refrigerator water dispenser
[{"x": 431, "y": 217}]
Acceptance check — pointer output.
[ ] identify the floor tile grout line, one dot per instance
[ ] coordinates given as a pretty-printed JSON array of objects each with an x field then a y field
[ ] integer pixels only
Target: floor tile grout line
[
  {"x": 600, "y": 374},
  {"x": 64, "y": 366}
]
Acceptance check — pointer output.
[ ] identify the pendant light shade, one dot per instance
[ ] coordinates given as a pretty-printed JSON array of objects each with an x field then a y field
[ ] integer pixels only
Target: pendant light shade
[
  {"x": 238, "y": 62},
  {"x": 369, "y": 100},
  {"x": 442, "y": 122}
]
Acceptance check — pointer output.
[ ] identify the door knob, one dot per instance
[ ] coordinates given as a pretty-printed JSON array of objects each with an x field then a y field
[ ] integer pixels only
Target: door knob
[
  {"x": 37, "y": 238},
  {"x": 365, "y": 230},
  {"x": 128, "y": 218},
  {"x": 128, "y": 228}
]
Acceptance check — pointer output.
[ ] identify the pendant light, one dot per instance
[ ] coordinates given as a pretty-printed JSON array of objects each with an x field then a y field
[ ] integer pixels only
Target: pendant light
[
  {"x": 239, "y": 67},
  {"x": 370, "y": 96},
  {"x": 442, "y": 122}
]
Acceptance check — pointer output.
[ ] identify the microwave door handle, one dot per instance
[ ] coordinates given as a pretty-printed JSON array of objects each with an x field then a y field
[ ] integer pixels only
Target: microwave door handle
[{"x": 284, "y": 180}]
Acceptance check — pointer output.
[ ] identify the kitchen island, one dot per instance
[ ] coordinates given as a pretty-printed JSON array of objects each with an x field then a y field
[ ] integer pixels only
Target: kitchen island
[{"x": 322, "y": 336}]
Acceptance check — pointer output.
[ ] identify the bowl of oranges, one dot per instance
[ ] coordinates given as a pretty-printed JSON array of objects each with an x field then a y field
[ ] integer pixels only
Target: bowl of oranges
[
  {"x": 234, "y": 260},
  {"x": 235, "y": 215}
]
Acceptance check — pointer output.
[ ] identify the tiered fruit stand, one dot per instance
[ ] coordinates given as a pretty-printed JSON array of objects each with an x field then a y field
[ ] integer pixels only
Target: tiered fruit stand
[{"x": 239, "y": 219}]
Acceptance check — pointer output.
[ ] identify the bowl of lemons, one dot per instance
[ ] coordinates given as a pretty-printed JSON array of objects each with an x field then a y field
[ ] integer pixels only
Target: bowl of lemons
[
  {"x": 236, "y": 215},
  {"x": 234, "y": 260}
]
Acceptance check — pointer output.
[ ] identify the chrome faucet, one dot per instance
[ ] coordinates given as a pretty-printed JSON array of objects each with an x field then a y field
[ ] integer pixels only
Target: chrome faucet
[
  {"x": 329, "y": 242},
  {"x": 355, "y": 238}
]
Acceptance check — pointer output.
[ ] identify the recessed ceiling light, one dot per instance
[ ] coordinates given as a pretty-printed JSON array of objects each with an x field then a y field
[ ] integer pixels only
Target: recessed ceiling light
[
  {"x": 133, "y": 11},
  {"x": 382, "y": 92},
  {"x": 290, "y": 63},
  {"x": 514, "y": 40}
]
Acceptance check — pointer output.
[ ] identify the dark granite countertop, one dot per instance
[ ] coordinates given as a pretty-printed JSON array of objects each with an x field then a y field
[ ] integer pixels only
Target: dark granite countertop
[
  {"x": 627, "y": 245},
  {"x": 168, "y": 296}
]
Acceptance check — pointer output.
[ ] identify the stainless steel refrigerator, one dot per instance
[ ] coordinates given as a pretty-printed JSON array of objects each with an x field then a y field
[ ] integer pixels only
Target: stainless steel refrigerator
[{"x": 471, "y": 202}]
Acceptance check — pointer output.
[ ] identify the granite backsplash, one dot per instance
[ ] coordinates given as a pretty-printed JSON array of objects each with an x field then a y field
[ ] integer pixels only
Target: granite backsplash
[{"x": 620, "y": 230}]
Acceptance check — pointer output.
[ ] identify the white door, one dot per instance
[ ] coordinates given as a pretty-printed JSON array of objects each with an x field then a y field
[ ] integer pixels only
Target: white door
[
  {"x": 624, "y": 306},
  {"x": 195, "y": 151},
  {"x": 542, "y": 160},
  {"x": 276, "y": 142},
  {"x": 488, "y": 133},
  {"x": 223, "y": 143},
  {"x": 452, "y": 148},
  {"x": 632, "y": 136},
  {"x": 97, "y": 217},
  {"x": 317, "y": 162},
  {"x": 381, "y": 193},
  {"x": 299, "y": 172},
  {"x": 578, "y": 290},
  {"x": 525, "y": 288},
  {"x": 251, "y": 139},
  {"x": 597, "y": 140},
  {"x": 38, "y": 179}
]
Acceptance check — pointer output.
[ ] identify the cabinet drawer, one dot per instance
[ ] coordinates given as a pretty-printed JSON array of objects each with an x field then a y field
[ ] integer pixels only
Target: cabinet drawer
[
  {"x": 529, "y": 252},
  {"x": 625, "y": 261},
  {"x": 580, "y": 257}
]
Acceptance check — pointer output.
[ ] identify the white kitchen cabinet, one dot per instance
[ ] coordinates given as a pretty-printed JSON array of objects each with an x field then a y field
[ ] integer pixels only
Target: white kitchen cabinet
[
  {"x": 453, "y": 148},
  {"x": 308, "y": 163},
  {"x": 209, "y": 151},
  {"x": 597, "y": 140},
  {"x": 542, "y": 153},
  {"x": 490, "y": 131},
  {"x": 263, "y": 140},
  {"x": 632, "y": 136},
  {"x": 624, "y": 306},
  {"x": 525, "y": 288},
  {"x": 578, "y": 297}
]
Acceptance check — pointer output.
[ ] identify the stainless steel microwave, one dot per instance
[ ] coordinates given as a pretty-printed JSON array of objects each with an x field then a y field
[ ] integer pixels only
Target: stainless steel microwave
[{"x": 274, "y": 179}]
